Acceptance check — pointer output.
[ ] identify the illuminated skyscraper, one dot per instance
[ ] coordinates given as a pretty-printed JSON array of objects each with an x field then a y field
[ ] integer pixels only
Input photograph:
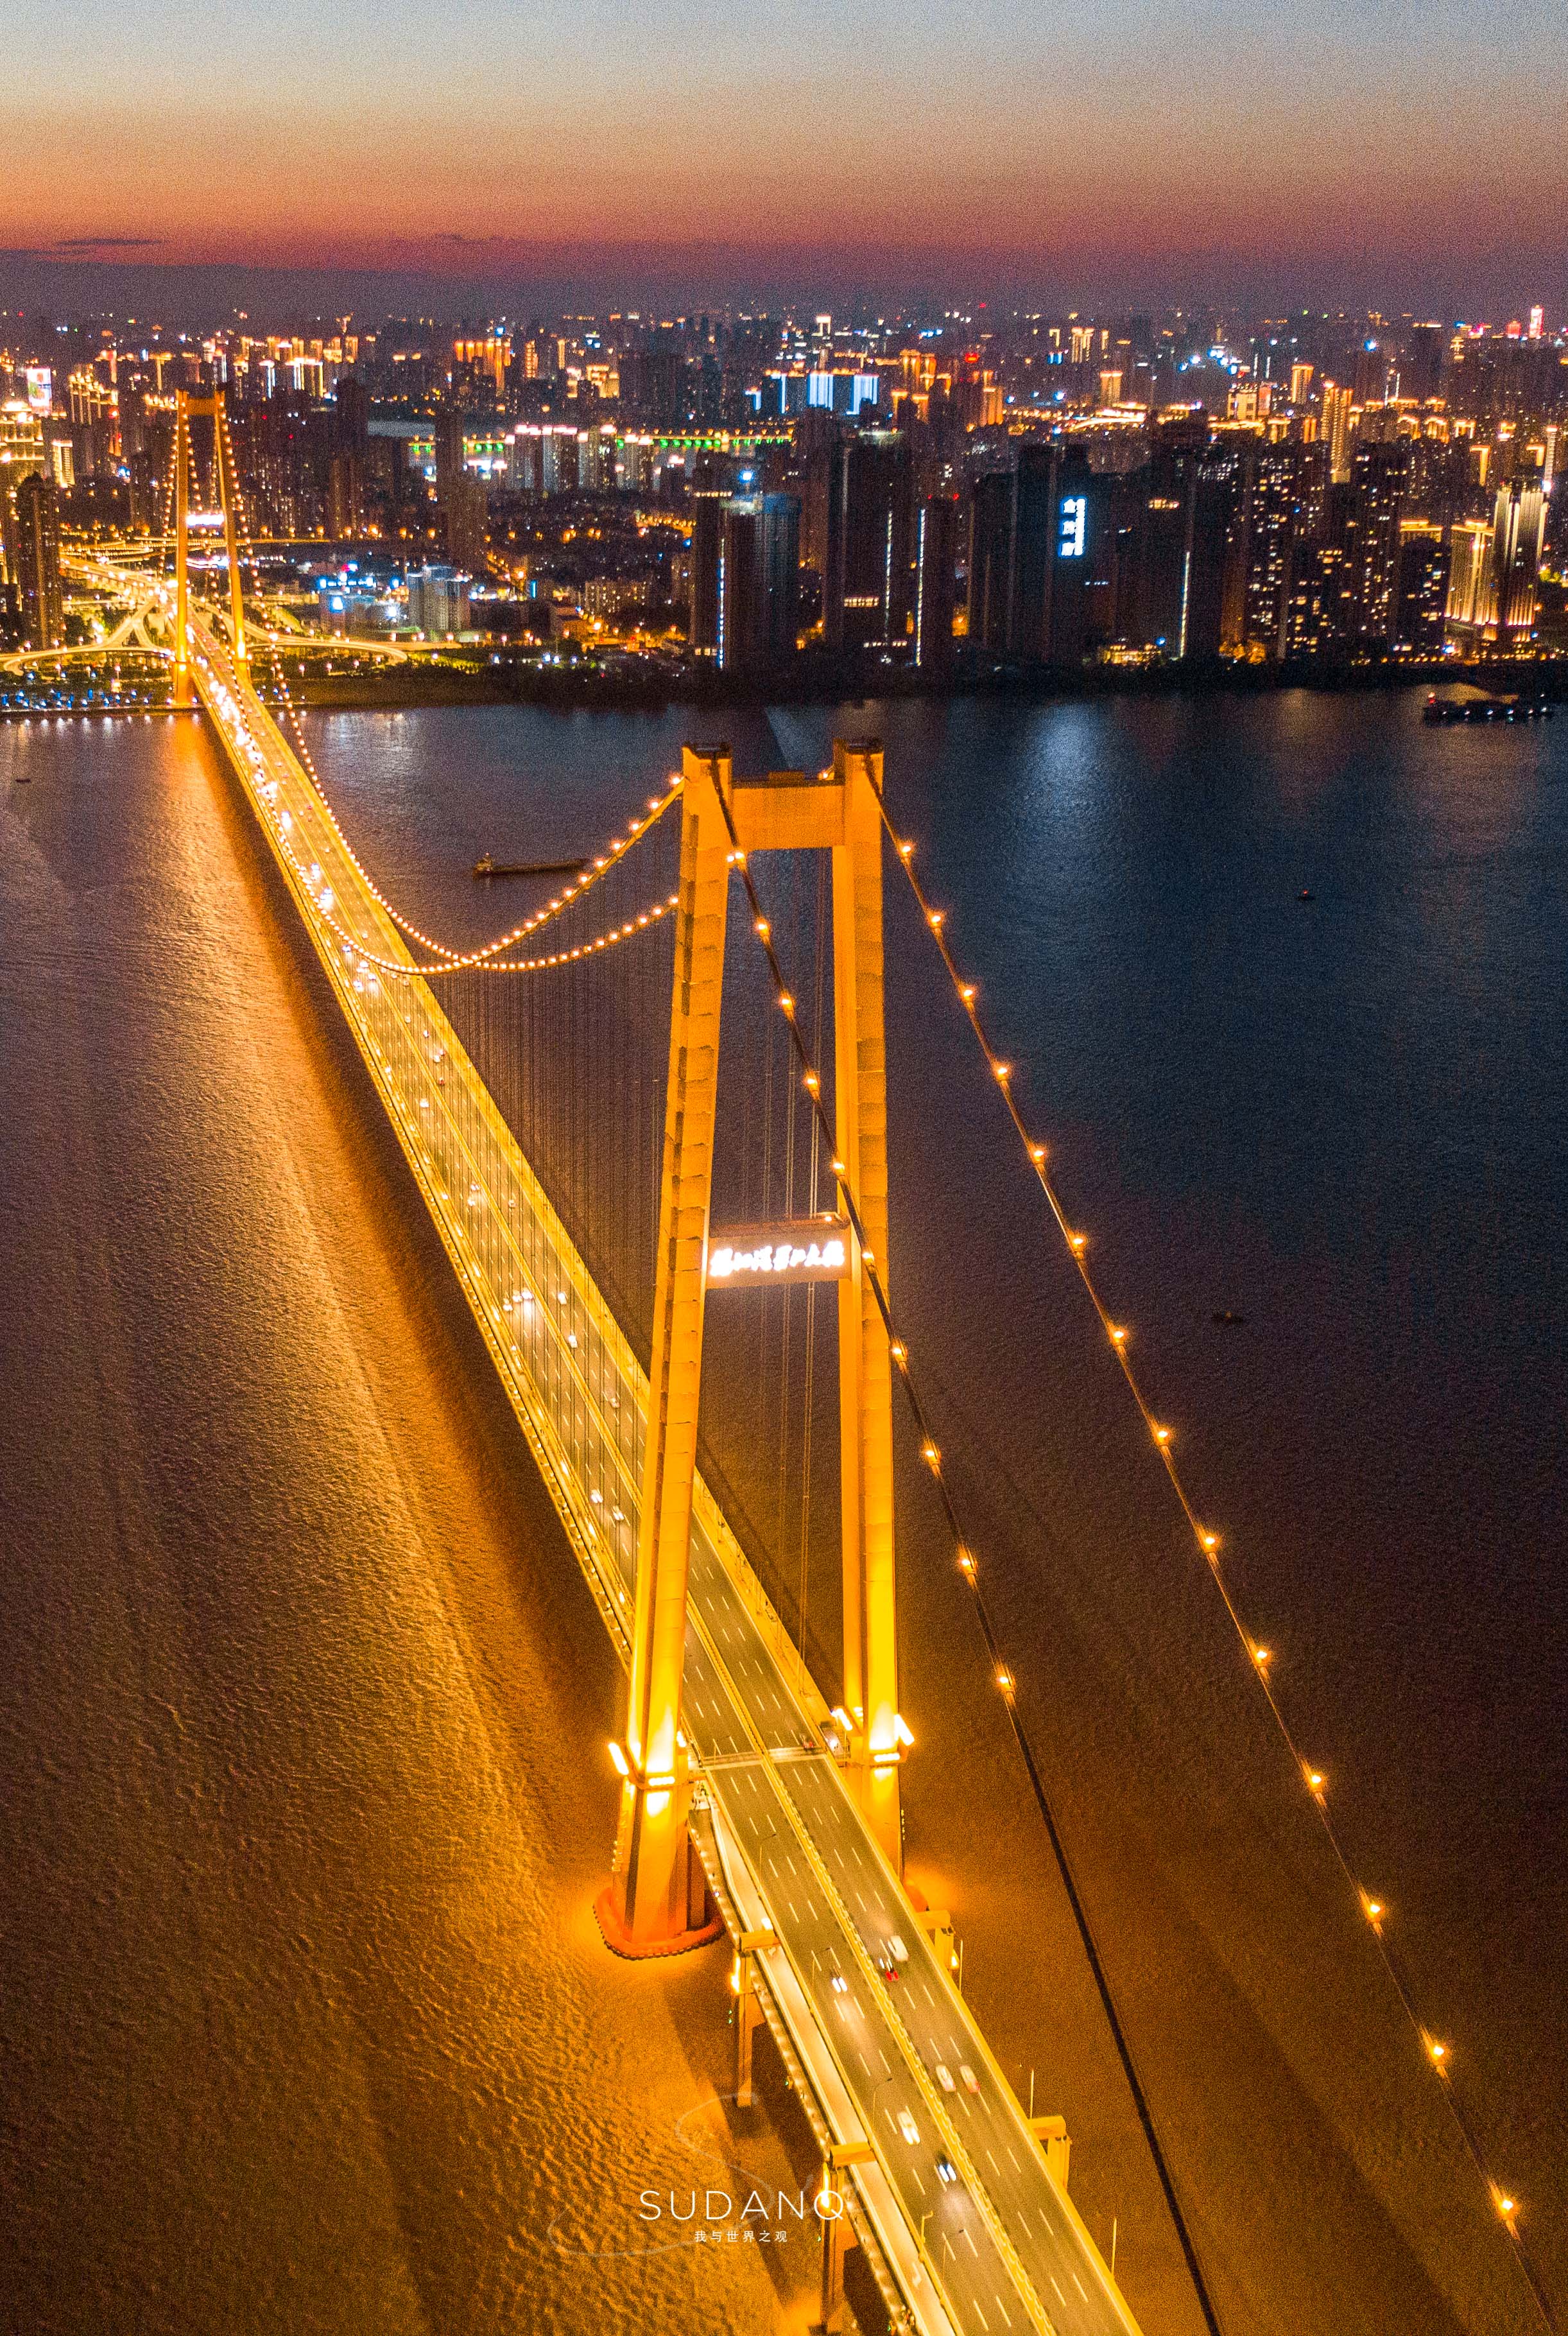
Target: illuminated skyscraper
[
  {"x": 1259, "y": 554},
  {"x": 1471, "y": 598},
  {"x": 1378, "y": 476},
  {"x": 1336, "y": 408},
  {"x": 1518, "y": 526}
]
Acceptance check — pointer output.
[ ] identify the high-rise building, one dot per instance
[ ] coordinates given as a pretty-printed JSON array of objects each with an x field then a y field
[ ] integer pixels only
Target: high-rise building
[
  {"x": 1157, "y": 606},
  {"x": 1032, "y": 553},
  {"x": 1034, "y": 531},
  {"x": 464, "y": 508},
  {"x": 1215, "y": 504},
  {"x": 1378, "y": 478},
  {"x": 990, "y": 561},
  {"x": 780, "y": 571},
  {"x": 1518, "y": 527},
  {"x": 450, "y": 450},
  {"x": 1263, "y": 529},
  {"x": 710, "y": 493},
  {"x": 466, "y": 516},
  {"x": 936, "y": 556},
  {"x": 349, "y": 460},
  {"x": 345, "y": 498},
  {"x": 438, "y": 600},
  {"x": 1319, "y": 625},
  {"x": 758, "y": 616},
  {"x": 1421, "y": 367},
  {"x": 31, "y": 514},
  {"x": 1076, "y": 542},
  {"x": 1337, "y": 406},
  {"x": 482, "y": 362},
  {"x": 1421, "y": 599},
  {"x": 1472, "y": 601},
  {"x": 866, "y": 589},
  {"x": 20, "y": 441},
  {"x": 741, "y": 590}
]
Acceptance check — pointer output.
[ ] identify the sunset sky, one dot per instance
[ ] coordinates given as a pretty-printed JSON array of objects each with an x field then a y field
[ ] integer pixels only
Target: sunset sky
[{"x": 1403, "y": 147}]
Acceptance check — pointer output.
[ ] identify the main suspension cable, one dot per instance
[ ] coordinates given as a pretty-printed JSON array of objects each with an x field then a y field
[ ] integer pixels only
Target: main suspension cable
[{"x": 610, "y": 857}]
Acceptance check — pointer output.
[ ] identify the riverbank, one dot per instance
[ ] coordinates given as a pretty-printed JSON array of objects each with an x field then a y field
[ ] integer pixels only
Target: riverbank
[
  {"x": 830, "y": 682},
  {"x": 646, "y": 686}
]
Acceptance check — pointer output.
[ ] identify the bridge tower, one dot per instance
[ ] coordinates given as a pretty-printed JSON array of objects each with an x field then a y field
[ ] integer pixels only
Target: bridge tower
[
  {"x": 655, "y": 1903},
  {"x": 227, "y": 486}
]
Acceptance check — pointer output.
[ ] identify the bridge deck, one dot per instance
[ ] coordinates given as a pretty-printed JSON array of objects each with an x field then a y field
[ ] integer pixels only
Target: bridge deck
[{"x": 999, "y": 2248}]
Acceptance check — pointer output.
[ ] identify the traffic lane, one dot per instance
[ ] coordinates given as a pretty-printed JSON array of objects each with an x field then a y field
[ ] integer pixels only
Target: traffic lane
[
  {"x": 776, "y": 1715},
  {"x": 812, "y": 1927},
  {"x": 1003, "y": 2152},
  {"x": 972, "y": 2275}
]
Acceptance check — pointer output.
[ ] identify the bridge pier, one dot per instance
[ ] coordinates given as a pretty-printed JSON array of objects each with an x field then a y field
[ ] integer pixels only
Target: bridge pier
[
  {"x": 656, "y": 1901},
  {"x": 748, "y": 2013},
  {"x": 937, "y": 1925},
  {"x": 838, "y": 2235},
  {"x": 1055, "y": 2142}
]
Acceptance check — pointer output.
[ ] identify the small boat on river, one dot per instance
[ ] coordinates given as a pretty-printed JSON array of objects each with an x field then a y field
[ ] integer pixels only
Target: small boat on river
[{"x": 486, "y": 866}]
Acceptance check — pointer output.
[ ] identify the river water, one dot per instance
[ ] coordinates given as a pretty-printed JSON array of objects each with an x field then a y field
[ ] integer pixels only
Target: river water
[{"x": 302, "y": 1704}]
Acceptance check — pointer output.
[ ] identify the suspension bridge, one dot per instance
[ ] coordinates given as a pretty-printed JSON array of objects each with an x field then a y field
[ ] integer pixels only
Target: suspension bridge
[{"x": 755, "y": 1803}]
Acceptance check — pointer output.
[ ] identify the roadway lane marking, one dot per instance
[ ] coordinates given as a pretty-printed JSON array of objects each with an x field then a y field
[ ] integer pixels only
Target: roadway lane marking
[
  {"x": 1060, "y": 2297},
  {"x": 1078, "y": 2284},
  {"x": 971, "y": 2236}
]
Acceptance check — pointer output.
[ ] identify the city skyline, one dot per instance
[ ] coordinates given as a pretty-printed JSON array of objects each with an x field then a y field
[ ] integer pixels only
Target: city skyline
[
  {"x": 628, "y": 498},
  {"x": 1130, "y": 157}
]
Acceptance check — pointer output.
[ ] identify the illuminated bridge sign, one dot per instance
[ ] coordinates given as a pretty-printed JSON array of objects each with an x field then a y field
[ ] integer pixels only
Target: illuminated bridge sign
[{"x": 812, "y": 1249}]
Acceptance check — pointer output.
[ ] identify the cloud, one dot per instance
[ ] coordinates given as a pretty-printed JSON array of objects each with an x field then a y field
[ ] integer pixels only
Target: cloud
[{"x": 106, "y": 243}]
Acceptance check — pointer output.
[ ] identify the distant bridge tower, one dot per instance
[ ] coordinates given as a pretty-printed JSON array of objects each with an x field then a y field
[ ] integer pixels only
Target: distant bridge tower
[
  {"x": 227, "y": 488},
  {"x": 654, "y": 1901}
]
